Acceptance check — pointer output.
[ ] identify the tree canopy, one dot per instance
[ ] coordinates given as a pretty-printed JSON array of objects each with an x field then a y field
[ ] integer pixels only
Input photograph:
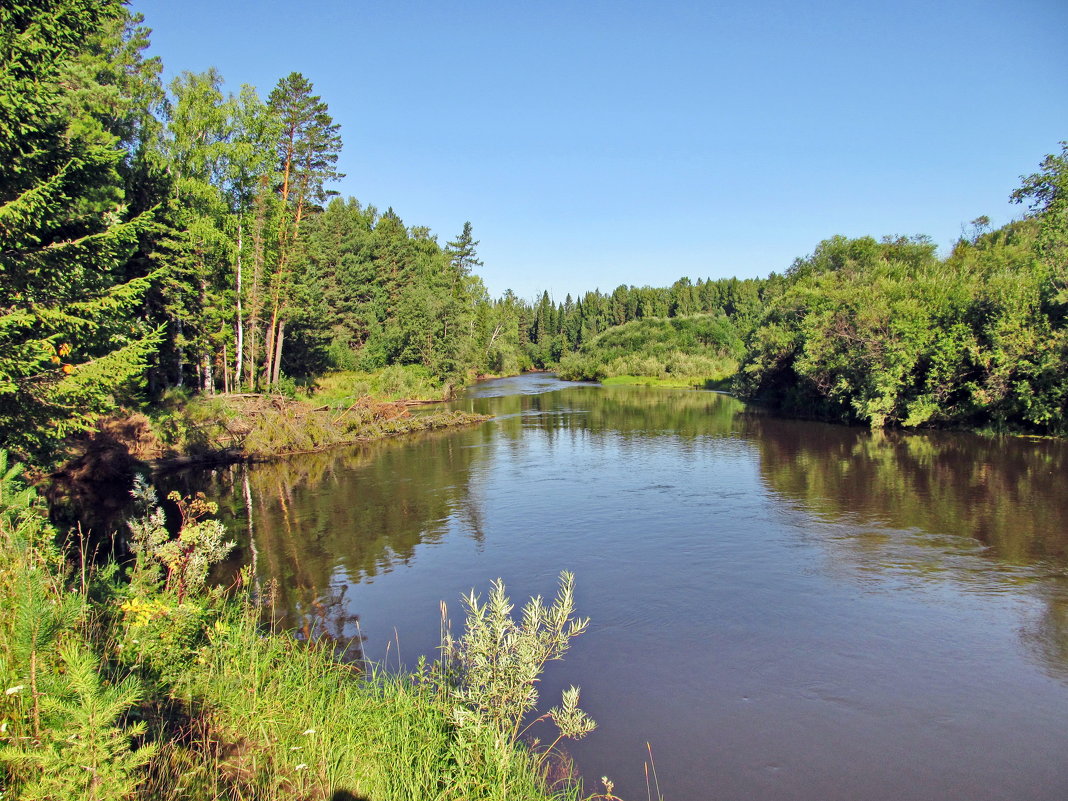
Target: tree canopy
[{"x": 188, "y": 237}]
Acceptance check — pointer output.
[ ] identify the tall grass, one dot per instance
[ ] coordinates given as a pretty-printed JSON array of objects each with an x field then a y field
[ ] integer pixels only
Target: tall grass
[
  {"x": 154, "y": 688},
  {"x": 396, "y": 382},
  {"x": 286, "y": 720}
]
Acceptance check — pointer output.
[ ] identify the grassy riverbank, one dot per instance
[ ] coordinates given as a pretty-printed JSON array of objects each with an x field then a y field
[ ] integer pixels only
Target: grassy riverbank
[
  {"x": 342, "y": 408},
  {"x": 672, "y": 382},
  {"x": 266, "y": 426},
  {"x": 143, "y": 683}
]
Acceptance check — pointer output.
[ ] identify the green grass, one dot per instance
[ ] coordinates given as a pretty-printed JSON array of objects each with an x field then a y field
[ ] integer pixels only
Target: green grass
[
  {"x": 282, "y": 719},
  {"x": 672, "y": 382},
  {"x": 123, "y": 690},
  {"x": 397, "y": 382}
]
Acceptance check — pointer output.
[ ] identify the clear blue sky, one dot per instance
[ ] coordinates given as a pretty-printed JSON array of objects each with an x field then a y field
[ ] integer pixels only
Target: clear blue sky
[{"x": 596, "y": 143}]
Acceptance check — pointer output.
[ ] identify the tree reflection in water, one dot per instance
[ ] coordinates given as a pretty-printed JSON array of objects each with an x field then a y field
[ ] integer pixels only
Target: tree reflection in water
[
  {"x": 982, "y": 513},
  {"x": 916, "y": 509}
]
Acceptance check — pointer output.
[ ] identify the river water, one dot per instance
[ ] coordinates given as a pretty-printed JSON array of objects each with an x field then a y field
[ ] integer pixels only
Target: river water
[{"x": 780, "y": 609}]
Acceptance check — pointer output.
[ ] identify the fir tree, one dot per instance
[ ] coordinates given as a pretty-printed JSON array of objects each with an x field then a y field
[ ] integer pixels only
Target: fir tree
[{"x": 67, "y": 341}]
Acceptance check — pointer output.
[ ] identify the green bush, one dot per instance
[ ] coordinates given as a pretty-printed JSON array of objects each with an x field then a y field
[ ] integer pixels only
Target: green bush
[{"x": 684, "y": 351}]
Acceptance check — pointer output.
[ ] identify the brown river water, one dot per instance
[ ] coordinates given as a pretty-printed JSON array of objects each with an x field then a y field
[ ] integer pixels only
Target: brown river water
[{"x": 780, "y": 609}]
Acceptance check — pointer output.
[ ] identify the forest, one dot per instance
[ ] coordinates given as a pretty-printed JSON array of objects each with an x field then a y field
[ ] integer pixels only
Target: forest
[
  {"x": 176, "y": 255},
  {"x": 184, "y": 240}
]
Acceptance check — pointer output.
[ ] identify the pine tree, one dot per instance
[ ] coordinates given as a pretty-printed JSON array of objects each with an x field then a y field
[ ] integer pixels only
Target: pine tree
[
  {"x": 462, "y": 254},
  {"x": 307, "y": 152}
]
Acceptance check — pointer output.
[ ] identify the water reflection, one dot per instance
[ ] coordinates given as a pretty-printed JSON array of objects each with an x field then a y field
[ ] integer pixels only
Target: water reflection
[
  {"x": 845, "y": 606},
  {"x": 630, "y": 411},
  {"x": 1006, "y": 493},
  {"x": 313, "y": 525},
  {"x": 984, "y": 514}
]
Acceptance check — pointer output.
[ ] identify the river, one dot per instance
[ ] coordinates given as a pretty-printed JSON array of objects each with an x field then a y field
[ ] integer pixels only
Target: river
[{"x": 780, "y": 609}]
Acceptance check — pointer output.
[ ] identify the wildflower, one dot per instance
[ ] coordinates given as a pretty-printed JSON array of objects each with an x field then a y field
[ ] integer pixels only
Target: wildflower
[
  {"x": 15, "y": 689},
  {"x": 301, "y": 766},
  {"x": 308, "y": 731}
]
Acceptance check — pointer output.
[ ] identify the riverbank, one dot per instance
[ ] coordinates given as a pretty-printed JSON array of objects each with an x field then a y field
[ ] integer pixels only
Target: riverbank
[
  {"x": 672, "y": 382},
  {"x": 141, "y": 682},
  {"x": 260, "y": 427}
]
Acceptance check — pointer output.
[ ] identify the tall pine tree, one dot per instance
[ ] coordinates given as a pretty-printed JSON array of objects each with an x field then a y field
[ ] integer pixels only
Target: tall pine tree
[{"x": 307, "y": 152}]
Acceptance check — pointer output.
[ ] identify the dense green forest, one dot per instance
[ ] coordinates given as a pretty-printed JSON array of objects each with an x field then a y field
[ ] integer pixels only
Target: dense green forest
[
  {"x": 888, "y": 334},
  {"x": 185, "y": 238}
]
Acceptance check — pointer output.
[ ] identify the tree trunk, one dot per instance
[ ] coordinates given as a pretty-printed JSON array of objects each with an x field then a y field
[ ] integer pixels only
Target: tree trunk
[
  {"x": 278, "y": 354},
  {"x": 259, "y": 258},
  {"x": 239, "y": 343},
  {"x": 179, "y": 354},
  {"x": 225, "y": 367},
  {"x": 207, "y": 376},
  {"x": 268, "y": 356}
]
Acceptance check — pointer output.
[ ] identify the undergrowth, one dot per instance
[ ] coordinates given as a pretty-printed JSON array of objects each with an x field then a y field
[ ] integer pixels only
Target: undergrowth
[{"x": 396, "y": 382}]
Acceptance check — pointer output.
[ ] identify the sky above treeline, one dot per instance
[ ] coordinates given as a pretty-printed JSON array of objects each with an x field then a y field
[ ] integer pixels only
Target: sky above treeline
[{"x": 593, "y": 144}]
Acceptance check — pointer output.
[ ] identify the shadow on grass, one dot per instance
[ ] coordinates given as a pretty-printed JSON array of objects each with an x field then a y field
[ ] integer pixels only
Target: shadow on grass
[{"x": 345, "y": 795}]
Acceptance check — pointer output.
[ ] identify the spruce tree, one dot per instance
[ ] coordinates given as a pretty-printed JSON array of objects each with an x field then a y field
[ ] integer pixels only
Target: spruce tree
[{"x": 68, "y": 340}]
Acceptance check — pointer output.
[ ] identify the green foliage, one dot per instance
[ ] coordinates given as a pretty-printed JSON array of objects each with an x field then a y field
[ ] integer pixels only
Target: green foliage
[
  {"x": 295, "y": 722},
  {"x": 689, "y": 350},
  {"x": 63, "y": 734},
  {"x": 886, "y": 334},
  {"x": 1046, "y": 193},
  {"x": 397, "y": 382},
  {"x": 68, "y": 336},
  {"x": 492, "y": 671},
  {"x": 388, "y": 295},
  {"x": 84, "y": 752},
  {"x": 187, "y": 557}
]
